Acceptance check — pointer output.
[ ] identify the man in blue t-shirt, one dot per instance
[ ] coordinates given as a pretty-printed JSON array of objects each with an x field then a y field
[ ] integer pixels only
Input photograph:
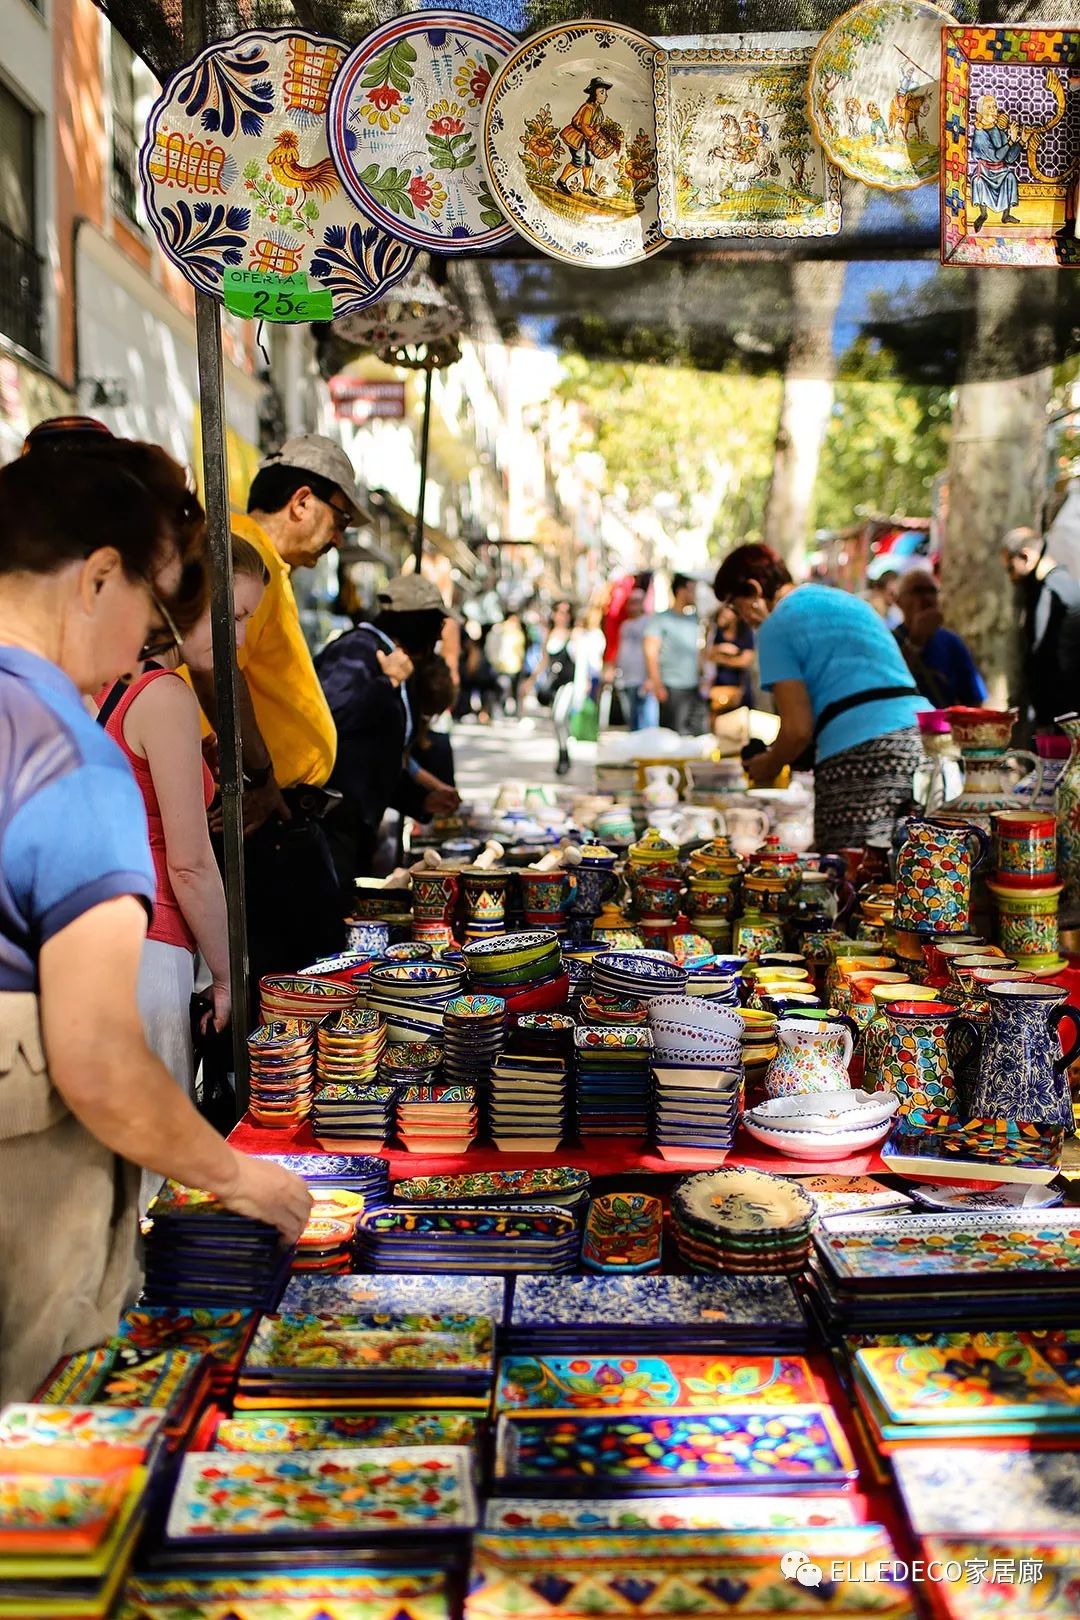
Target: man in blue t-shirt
[{"x": 939, "y": 660}]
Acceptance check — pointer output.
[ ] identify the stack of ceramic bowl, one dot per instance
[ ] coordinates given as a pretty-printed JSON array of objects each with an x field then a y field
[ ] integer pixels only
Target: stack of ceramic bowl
[
  {"x": 326, "y": 1243},
  {"x": 436, "y": 1118},
  {"x": 579, "y": 975},
  {"x": 542, "y": 1034},
  {"x": 697, "y": 1078},
  {"x": 742, "y": 1221},
  {"x": 622, "y": 1012},
  {"x": 411, "y": 997},
  {"x": 525, "y": 969},
  {"x": 348, "y": 968},
  {"x": 641, "y": 974},
  {"x": 712, "y": 979},
  {"x": 474, "y": 1032},
  {"x": 826, "y": 1125},
  {"x": 529, "y": 1100},
  {"x": 410, "y": 950},
  {"x": 351, "y": 1118},
  {"x": 282, "y": 1061},
  {"x": 295, "y": 996},
  {"x": 349, "y": 1047},
  {"x": 612, "y": 1069}
]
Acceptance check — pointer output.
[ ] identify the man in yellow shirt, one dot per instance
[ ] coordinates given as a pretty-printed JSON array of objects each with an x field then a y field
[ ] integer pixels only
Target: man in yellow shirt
[{"x": 301, "y": 501}]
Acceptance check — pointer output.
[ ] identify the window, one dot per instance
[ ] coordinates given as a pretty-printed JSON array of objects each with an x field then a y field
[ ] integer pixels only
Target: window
[
  {"x": 21, "y": 277},
  {"x": 125, "y": 146}
]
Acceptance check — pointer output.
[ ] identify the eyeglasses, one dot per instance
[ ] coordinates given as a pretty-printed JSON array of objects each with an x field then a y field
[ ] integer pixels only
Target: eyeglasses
[
  {"x": 342, "y": 515},
  {"x": 163, "y": 637}
]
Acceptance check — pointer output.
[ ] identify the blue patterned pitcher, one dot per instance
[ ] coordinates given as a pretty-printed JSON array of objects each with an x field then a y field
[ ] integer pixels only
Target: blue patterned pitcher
[{"x": 1022, "y": 1072}]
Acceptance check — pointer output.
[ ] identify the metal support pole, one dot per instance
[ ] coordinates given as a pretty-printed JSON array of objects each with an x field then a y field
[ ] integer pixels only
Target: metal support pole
[
  {"x": 425, "y": 435},
  {"x": 219, "y": 526}
]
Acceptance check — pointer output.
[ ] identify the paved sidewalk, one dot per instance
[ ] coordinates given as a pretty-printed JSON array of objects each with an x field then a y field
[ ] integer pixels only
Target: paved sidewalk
[{"x": 486, "y": 757}]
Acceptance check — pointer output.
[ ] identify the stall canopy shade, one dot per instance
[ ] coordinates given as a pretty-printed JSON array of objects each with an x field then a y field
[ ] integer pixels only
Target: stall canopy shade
[{"x": 815, "y": 304}]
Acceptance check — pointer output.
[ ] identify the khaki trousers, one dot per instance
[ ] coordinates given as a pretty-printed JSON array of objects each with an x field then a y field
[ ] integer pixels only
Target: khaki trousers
[{"x": 68, "y": 1217}]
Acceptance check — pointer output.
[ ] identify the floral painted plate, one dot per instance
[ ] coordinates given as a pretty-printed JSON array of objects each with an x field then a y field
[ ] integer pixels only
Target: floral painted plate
[
  {"x": 236, "y": 171},
  {"x": 569, "y": 144},
  {"x": 874, "y": 94},
  {"x": 404, "y": 129},
  {"x": 743, "y": 1202}
]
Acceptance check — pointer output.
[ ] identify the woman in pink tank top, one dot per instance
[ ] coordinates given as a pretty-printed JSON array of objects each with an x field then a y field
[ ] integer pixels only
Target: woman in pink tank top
[{"x": 156, "y": 722}]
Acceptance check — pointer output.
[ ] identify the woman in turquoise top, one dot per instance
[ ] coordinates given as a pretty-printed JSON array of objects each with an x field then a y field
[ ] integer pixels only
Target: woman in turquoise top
[{"x": 841, "y": 684}]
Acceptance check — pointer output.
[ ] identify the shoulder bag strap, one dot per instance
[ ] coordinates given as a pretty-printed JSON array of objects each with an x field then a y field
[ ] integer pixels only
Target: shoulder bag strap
[{"x": 855, "y": 700}]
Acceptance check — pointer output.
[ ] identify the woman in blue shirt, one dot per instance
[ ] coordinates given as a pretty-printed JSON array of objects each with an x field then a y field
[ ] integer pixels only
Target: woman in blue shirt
[
  {"x": 92, "y": 546},
  {"x": 840, "y": 683}
]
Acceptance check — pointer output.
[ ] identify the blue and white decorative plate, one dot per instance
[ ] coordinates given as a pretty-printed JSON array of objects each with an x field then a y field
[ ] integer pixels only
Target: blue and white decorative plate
[
  {"x": 236, "y": 172},
  {"x": 404, "y": 129},
  {"x": 569, "y": 143}
]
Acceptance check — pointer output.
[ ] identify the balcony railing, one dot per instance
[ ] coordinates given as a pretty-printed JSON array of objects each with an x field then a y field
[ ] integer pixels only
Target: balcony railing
[
  {"x": 21, "y": 291},
  {"x": 125, "y": 171}
]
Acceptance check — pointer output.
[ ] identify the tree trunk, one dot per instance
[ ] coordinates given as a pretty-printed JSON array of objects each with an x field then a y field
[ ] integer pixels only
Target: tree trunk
[
  {"x": 807, "y": 402},
  {"x": 997, "y": 475}
]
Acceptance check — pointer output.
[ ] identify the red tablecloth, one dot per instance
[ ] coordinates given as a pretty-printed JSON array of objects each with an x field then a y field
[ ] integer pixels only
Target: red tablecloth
[{"x": 602, "y": 1156}]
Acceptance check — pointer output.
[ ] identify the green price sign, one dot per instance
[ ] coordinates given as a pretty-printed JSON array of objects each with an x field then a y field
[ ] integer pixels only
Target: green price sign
[{"x": 264, "y": 297}]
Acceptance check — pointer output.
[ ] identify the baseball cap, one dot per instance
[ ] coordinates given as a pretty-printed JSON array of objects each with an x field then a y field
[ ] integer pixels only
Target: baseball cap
[
  {"x": 314, "y": 453},
  {"x": 412, "y": 593}
]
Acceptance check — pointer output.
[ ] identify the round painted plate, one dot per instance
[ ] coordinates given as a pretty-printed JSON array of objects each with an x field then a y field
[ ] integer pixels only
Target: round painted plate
[
  {"x": 569, "y": 144},
  {"x": 236, "y": 171},
  {"x": 1012, "y": 1195},
  {"x": 404, "y": 129},
  {"x": 874, "y": 92}
]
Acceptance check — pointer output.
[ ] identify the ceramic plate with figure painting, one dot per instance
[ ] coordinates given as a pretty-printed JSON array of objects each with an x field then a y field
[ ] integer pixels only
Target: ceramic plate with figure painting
[
  {"x": 874, "y": 92},
  {"x": 737, "y": 155},
  {"x": 405, "y": 129},
  {"x": 569, "y": 143},
  {"x": 236, "y": 172},
  {"x": 1011, "y": 131}
]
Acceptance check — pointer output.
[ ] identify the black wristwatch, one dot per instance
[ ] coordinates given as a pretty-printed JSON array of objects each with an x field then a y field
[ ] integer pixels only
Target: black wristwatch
[{"x": 259, "y": 778}]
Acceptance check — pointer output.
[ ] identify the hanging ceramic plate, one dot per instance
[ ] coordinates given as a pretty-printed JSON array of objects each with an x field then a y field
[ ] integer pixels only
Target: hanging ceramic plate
[
  {"x": 737, "y": 156},
  {"x": 569, "y": 143},
  {"x": 236, "y": 171},
  {"x": 404, "y": 129},
  {"x": 875, "y": 92}
]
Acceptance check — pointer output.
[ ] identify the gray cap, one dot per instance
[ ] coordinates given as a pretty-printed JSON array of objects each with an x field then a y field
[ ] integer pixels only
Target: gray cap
[
  {"x": 412, "y": 593},
  {"x": 314, "y": 453}
]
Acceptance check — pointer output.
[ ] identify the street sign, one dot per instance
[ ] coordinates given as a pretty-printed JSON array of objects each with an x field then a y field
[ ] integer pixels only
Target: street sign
[{"x": 357, "y": 400}]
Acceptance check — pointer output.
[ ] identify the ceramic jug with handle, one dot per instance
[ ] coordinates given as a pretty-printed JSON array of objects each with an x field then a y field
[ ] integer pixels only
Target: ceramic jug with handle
[
  {"x": 1023, "y": 1073},
  {"x": 746, "y": 828},
  {"x": 661, "y": 787},
  {"x": 812, "y": 1054},
  {"x": 918, "y": 1053},
  {"x": 933, "y": 875}
]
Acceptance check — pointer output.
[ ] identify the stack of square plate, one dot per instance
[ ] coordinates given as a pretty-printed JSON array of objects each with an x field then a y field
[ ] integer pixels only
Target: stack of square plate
[
  {"x": 626, "y": 1315},
  {"x": 468, "y": 1238},
  {"x": 612, "y": 1066},
  {"x": 282, "y": 1060},
  {"x": 474, "y": 1030},
  {"x": 199, "y": 1253},
  {"x": 221, "y": 1335},
  {"x": 695, "y": 1111},
  {"x": 641, "y": 974},
  {"x": 294, "y": 995},
  {"x": 436, "y": 1118},
  {"x": 742, "y": 1221},
  {"x": 411, "y": 997},
  {"x": 367, "y": 1358},
  {"x": 349, "y": 1046},
  {"x": 529, "y": 1097},
  {"x": 359, "y": 1172},
  {"x": 325, "y": 1244},
  {"x": 350, "y": 1118}
]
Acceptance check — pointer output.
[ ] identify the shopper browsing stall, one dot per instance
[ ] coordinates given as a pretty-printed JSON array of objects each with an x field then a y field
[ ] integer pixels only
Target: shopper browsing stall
[
  {"x": 840, "y": 684},
  {"x": 155, "y": 721},
  {"x": 364, "y": 674},
  {"x": 90, "y": 563},
  {"x": 673, "y": 659},
  {"x": 302, "y": 500},
  {"x": 940, "y": 661}
]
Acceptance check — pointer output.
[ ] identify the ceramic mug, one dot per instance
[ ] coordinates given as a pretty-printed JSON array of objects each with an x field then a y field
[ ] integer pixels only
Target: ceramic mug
[
  {"x": 434, "y": 895},
  {"x": 1025, "y": 849},
  {"x": 1028, "y": 923}
]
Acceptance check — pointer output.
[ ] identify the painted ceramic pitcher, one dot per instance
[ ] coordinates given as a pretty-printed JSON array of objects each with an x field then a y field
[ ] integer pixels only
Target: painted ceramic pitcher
[
  {"x": 1067, "y": 809},
  {"x": 812, "y": 1054},
  {"x": 918, "y": 1053},
  {"x": 933, "y": 875},
  {"x": 1022, "y": 1073}
]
